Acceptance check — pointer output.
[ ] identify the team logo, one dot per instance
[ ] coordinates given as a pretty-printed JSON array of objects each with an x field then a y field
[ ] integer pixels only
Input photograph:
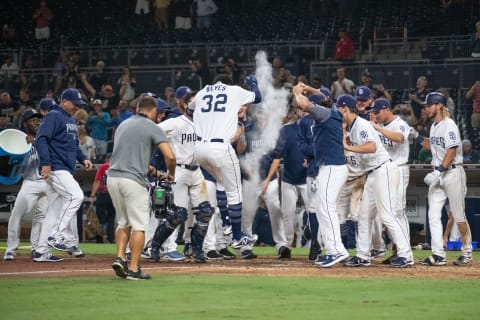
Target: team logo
[
  {"x": 364, "y": 134},
  {"x": 452, "y": 135},
  {"x": 360, "y": 91}
]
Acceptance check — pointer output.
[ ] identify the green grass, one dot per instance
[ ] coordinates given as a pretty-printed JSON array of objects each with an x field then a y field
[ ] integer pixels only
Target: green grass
[{"x": 238, "y": 297}]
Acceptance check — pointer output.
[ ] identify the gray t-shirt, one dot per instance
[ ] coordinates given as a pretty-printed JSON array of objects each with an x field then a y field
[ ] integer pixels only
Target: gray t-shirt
[{"x": 134, "y": 143}]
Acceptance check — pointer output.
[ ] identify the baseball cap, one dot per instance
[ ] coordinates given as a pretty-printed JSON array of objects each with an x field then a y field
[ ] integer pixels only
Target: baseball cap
[
  {"x": 379, "y": 104},
  {"x": 31, "y": 113},
  {"x": 72, "y": 95},
  {"x": 326, "y": 92},
  {"x": 97, "y": 101},
  {"x": 435, "y": 97},
  {"x": 162, "y": 105},
  {"x": 346, "y": 100},
  {"x": 466, "y": 142},
  {"x": 362, "y": 93},
  {"x": 182, "y": 91},
  {"x": 317, "y": 98},
  {"x": 46, "y": 104}
]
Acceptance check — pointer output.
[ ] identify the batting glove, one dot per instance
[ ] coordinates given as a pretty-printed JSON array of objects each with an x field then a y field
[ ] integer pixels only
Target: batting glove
[
  {"x": 251, "y": 81},
  {"x": 432, "y": 178}
]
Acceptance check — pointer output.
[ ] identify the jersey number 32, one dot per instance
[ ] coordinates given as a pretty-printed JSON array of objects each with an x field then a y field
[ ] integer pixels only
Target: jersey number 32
[{"x": 217, "y": 103}]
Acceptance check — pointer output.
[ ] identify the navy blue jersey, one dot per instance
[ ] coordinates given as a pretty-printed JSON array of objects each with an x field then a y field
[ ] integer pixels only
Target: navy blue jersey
[
  {"x": 57, "y": 141},
  {"x": 328, "y": 137},
  {"x": 305, "y": 143},
  {"x": 287, "y": 148}
]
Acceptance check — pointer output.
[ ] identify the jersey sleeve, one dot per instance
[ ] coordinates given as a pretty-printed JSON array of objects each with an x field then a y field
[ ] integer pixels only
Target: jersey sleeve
[{"x": 452, "y": 136}]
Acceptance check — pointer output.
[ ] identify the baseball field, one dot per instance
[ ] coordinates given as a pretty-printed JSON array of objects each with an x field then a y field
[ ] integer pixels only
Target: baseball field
[{"x": 264, "y": 288}]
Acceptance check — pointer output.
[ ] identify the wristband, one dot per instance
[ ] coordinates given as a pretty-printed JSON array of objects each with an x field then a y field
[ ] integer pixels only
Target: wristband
[
  {"x": 419, "y": 139},
  {"x": 440, "y": 168}
]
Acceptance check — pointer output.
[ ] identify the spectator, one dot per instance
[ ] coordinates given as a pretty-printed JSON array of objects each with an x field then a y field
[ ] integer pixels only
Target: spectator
[
  {"x": 58, "y": 67},
  {"x": 405, "y": 112},
  {"x": 86, "y": 143},
  {"x": 9, "y": 35},
  {"x": 470, "y": 155},
  {"x": 205, "y": 9},
  {"x": 474, "y": 95},
  {"x": 26, "y": 100},
  {"x": 450, "y": 104},
  {"x": 5, "y": 122},
  {"x": 108, "y": 97},
  {"x": 230, "y": 68},
  {"x": 9, "y": 108},
  {"x": 200, "y": 68},
  {"x": 127, "y": 84},
  {"x": 344, "y": 50},
  {"x": 99, "y": 76},
  {"x": 9, "y": 73},
  {"x": 476, "y": 41},
  {"x": 43, "y": 17},
  {"x": 70, "y": 74},
  {"x": 183, "y": 14},
  {"x": 342, "y": 85},
  {"x": 99, "y": 123},
  {"x": 122, "y": 113},
  {"x": 161, "y": 14},
  {"x": 317, "y": 83},
  {"x": 367, "y": 79},
  {"x": 418, "y": 96}
]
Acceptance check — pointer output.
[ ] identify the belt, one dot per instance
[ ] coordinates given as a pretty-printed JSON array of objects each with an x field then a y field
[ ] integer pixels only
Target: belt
[
  {"x": 370, "y": 171},
  {"x": 453, "y": 166},
  {"x": 188, "y": 167},
  {"x": 211, "y": 140}
]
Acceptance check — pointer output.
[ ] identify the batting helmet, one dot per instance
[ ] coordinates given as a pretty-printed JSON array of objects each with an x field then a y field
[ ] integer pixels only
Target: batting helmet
[{"x": 435, "y": 97}]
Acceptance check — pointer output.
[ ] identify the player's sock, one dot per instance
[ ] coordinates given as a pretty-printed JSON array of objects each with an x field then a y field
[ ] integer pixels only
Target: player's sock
[
  {"x": 312, "y": 217},
  {"x": 235, "y": 213},
  {"x": 222, "y": 206}
]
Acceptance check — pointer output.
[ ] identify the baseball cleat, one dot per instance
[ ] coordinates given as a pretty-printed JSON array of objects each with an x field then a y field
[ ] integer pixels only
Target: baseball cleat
[
  {"x": 389, "y": 259},
  {"x": 357, "y": 262},
  {"x": 213, "y": 255},
  {"x": 284, "y": 253},
  {"x": 227, "y": 255},
  {"x": 244, "y": 240},
  {"x": 332, "y": 259},
  {"x": 434, "y": 260},
  {"x": 120, "y": 267},
  {"x": 146, "y": 253},
  {"x": 76, "y": 252},
  {"x": 57, "y": 245},
  {"x": 462, "y": 260},
  {"x": 401, "y": 262},
  {"x": 315, "y": 250},
  {"x": 45, "y": 257},
  {"x": 248, "y": 254},
  {"x": 9, "y": 256},
  {"x": 377, "y": 253}
]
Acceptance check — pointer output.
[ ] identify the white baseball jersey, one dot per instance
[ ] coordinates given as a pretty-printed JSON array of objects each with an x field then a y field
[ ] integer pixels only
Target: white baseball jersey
[
  {"x": 180, "y": 131},
  {"x": 216, "y": 109},
  {"x": 443, "y": 136},
  {"x": 362, "y": 132},
  {"x": 353, "y": 164},
  {"x": 398, "y": 151}
]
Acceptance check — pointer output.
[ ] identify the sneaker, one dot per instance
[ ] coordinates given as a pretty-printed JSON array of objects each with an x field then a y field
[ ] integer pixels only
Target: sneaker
[
  {"x": 315, "y": 250},
  {"x": 357, "y": 262},
  {"x": 227, "y": 229},
  {"x": 434, "y": 260},
  {"x": 462, "y": 260},
  {"x": 120, "y": 267},
  {"x": 319, "y": 259},
  {"x": 248, "y": 254},
  {"x": 146, "y": 253},
  {"x": 137, "y": 275},
  {"x": 214, "y": 255},
  {"x": 389, "y": 259},
  {"x": 227, "y": 255},
  {"x": 377, "y": 253},
  {"x": 331, "y": 259},
  {"x": 187, "y": 249},
  {"x": 401, "y": 262},
  {"x": 75, "y": 251},
  {"x": 174, "y": 256},
  {"x": 57, "y": 245},
  {"x": 199, "y": 257},
  {"x": 45, "y": 257},
  {"x": 244, "y": 240},
  {"x": 9, "y": 256},
  {"x": 284, "y": 253}
]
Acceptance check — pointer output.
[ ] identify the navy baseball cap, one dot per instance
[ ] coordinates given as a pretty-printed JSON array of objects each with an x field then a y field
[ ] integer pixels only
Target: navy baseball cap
[
  {"x": 362, "y": 93},
  {"x": 162, "y": 105},
  {"x": 182, "y": 91},
  {"x": 379, "y": 104},
  {"x": 46, "y": 104},
  {"x": 149, "y": 94},
  {"x": 317, "y": 98},
  {"x": 435, "y": 97},
  {"x": 326, "y": 92},
  {"x": 72, "y": 95},
  {"x": 31, "y": 113},
  {"x": 346, "y": 100}
]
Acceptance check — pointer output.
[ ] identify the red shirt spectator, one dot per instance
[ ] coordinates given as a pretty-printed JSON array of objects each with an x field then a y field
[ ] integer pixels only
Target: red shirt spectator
[{"x": 344, "y": 48}]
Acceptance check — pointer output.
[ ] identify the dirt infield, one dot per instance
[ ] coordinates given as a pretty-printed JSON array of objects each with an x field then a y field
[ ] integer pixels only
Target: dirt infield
[{"x": 91, "y": 265}]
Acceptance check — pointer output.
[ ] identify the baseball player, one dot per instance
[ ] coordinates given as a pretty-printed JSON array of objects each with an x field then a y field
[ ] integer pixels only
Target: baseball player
[
  {"x": 447, "y": 181},
  {"x": 383, "y": 175},
  {"x": 393, "y": 132},
  {"x": 32, "y": 193},
  {"x": 332, "y": 174},
  {"x": 215, "y": 118},
  {"x": 189, "y": 184},
  {"x": 293, "y": 183}
]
